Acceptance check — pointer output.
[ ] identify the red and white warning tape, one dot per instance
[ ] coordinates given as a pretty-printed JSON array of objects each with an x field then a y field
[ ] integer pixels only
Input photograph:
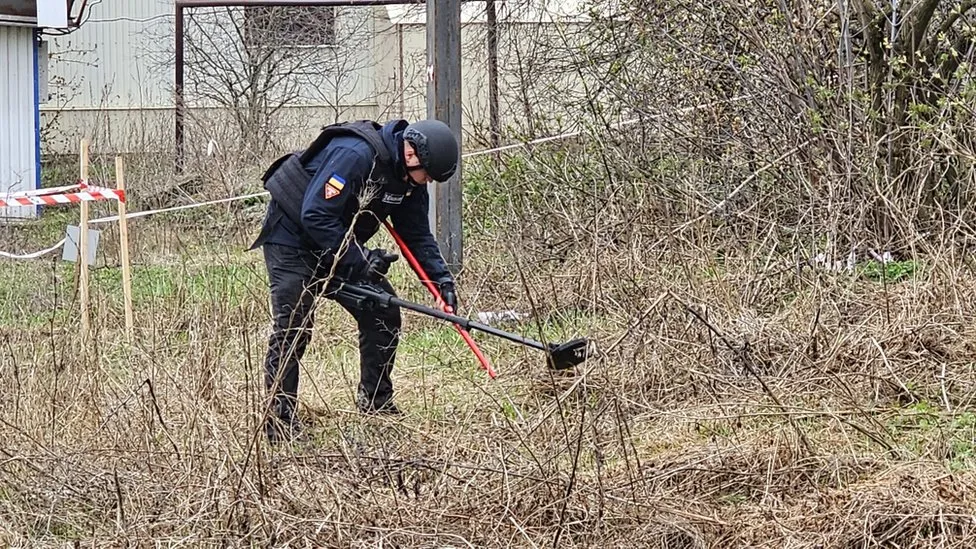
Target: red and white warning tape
[
  {"x": 80, "y": 192},
  {"x": 61, "y": 195},
  {"x": 52, "y": 196}
]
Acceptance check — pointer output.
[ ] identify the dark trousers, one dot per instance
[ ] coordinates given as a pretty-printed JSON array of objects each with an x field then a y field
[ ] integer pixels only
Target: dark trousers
[{"x": 297, "y": 278}]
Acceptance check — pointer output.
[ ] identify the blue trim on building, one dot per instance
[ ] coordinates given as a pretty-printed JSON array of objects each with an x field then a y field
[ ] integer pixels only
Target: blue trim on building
[{"x": 37, "y": 110}]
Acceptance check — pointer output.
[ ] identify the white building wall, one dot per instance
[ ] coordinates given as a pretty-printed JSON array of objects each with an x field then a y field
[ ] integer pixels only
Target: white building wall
[
  {"x": 112, "y": 80},
  {"x": 18, "y": 126},
  {"x": 536, "y": 75},
  {"x": 120, "y": 57}
]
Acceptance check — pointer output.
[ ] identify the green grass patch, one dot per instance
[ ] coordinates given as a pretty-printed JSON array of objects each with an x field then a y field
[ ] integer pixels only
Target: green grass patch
[
  {"x": 228, "y": 284},
  {"x": 930, "y": 433},
  {"x": 890, "y": 271},
  {"x": 36, "y": 293}
]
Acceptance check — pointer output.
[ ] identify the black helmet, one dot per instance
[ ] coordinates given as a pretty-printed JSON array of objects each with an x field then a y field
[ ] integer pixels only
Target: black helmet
[{"x": 436, "y": 147}]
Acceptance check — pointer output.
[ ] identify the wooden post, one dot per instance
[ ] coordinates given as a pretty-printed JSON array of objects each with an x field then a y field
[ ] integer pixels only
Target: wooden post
[
  {"x": 444, "y": 104},
  {"x": 83, "y": 251},
  {"x": 494, "y": 125},
  {"x": 124, "y": 243},
  {"x": 178, "y": 88}
]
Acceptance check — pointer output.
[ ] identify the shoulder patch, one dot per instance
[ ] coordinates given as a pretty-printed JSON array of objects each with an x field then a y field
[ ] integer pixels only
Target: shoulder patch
[{"x": 334, "y": 186}]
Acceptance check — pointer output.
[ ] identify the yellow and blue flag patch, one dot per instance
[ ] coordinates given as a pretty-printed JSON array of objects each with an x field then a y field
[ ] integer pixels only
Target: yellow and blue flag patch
[{"x": 334, "y": 186}]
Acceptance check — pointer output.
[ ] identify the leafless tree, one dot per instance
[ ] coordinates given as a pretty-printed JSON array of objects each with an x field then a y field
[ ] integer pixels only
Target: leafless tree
[
  {"x": 869, "y": 99},
  {"x": 254, "y": 63},
  {"x": 62, "y": 90}
]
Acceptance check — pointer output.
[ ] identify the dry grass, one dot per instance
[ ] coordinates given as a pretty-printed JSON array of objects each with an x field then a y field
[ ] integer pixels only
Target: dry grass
[
  {"x": 735, "y": 403},
  {"x": 742, "y": 397}
]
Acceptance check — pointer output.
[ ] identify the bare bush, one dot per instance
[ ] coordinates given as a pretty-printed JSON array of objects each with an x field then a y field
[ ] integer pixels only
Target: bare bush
[
  {"x": 747, "y": 392},
  {"x": 253, "y": 64}
]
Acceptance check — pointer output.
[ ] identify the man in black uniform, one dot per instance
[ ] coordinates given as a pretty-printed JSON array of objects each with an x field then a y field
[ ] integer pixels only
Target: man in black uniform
[{"x": 327, "y": 202}]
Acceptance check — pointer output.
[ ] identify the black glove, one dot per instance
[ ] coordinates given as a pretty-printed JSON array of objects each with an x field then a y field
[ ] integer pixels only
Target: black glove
[
  {"x": 379, "y": 261},
  {"x": 449, "y": 295},
  {"x": 365, "y": 266}
]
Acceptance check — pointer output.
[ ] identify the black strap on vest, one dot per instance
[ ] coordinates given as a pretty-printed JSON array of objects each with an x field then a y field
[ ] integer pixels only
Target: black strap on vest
[
  {"x": 287, "y": 179},
  {"x": 366, "y": 129}
]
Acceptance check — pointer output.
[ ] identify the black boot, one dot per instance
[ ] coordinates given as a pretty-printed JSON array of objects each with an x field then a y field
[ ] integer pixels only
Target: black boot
[
  {"x": 282, "y": 423},
  {"x": 376, "y": 405},
  {"x": 284, "y": 431}
]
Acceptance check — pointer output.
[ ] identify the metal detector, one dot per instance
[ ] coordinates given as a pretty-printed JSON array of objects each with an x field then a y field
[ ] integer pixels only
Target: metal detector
[{"x": 560, "y": 356}]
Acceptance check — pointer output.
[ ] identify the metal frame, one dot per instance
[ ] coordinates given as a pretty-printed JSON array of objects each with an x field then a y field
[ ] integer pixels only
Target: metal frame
[
  {"x": 180, "y": 31},
  {"x": 443, "y": 95}
]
